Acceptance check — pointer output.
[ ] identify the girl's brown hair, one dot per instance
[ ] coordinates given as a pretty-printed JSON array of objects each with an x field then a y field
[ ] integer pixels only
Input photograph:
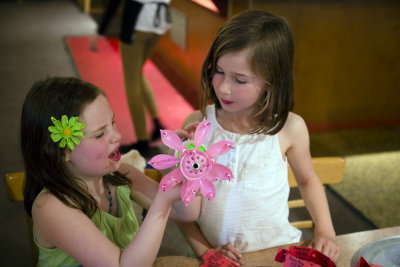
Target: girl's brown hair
[
  {"x": 270, "y": 42},
  {"x": 43, "y": 158}
]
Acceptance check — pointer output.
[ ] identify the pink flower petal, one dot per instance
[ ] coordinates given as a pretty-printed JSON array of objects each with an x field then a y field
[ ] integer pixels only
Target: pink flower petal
[
  {"x": 162, "y": 161},
  {"x": 207, "y": 189},
  {"x": 220, "y": 148},
  {"x": 171, "y": 179},
  {"x": 221, "y": 172},
  {"x": 171, "y": 140},
  {"x": 202, "y": 132},
  {"x": 188, "y": 191}
]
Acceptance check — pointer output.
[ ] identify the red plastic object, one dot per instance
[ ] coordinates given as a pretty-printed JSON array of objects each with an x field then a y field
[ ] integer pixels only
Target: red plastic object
[
  {"x": 363, "y": 263},
  {"x": 303, "y": 257},
  {"x": 213, "y": 259}
]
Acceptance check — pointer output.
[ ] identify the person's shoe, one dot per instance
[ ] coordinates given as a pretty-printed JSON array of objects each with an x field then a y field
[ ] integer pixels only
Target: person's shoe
[
  {"x": 156, "y": 134},
  {"x": 141, "y": 146}
]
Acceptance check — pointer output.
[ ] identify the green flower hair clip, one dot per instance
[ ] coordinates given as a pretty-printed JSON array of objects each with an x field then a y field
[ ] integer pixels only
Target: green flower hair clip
[{"x": 67, "y": 130}]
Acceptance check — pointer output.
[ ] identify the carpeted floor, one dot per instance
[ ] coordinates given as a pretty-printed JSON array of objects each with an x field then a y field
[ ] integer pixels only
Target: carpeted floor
[
  {"x": 371, "y": 181},
  {"x": 372, "y": 185},
  {"x": 104, "y": 69}
]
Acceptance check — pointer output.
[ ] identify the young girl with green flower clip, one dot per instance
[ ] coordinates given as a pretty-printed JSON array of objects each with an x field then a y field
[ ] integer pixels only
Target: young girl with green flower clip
[{"x": 77, "y": 190}]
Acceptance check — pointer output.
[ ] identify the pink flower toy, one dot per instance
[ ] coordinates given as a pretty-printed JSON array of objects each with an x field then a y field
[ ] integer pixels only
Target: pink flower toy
[{"x": 194, "y": 162}]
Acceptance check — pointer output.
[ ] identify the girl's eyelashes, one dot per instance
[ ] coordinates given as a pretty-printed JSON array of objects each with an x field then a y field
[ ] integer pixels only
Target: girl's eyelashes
[
  {"x": 100, "y": 135},
  {"x": 240, "y": 81},
  {"x": 218, "y": 72}
]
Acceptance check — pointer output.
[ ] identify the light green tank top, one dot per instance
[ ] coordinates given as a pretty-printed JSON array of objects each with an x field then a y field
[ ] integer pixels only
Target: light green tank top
[{"x": 120, "y": 230}]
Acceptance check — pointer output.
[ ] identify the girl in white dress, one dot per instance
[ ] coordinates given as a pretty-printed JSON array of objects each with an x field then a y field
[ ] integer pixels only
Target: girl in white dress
[{"x": 249, "y": 78}]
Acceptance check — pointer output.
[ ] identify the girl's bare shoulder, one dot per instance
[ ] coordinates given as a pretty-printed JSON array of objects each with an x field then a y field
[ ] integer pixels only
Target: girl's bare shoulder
[
  {"x": 294, "y": 130},
  {"x": 294, "y": 124},
  {"x": 49, "y": 215},
  {"x": 47, "y": 203}
]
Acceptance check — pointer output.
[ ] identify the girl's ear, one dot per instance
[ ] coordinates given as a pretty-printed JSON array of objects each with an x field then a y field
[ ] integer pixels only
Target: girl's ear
[{"x": 67, "y": 155}]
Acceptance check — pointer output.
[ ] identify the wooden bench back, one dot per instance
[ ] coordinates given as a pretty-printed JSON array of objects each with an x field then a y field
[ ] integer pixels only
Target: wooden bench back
[{"x": 330, "y": 170}]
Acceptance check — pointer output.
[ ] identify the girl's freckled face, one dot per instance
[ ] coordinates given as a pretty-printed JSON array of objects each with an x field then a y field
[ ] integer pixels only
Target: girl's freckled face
[
  {"x": 97, "y": 153},
  {"x": 237, "y": 87}
]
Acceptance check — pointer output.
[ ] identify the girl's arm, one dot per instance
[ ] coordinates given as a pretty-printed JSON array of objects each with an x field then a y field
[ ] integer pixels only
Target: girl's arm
[
  {"x": 194, "y": 237},
  {"x": 143, "y": 249},
  {"x": 144, "y": 190},
  {"x": 199, "y": 243},
  {"x": 191, "y": 230},
  {"x": 296, "y": 144},
  {"x": 57, "y": 225}
]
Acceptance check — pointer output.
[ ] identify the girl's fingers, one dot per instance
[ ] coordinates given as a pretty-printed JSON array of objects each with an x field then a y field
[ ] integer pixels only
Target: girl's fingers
[
  {"x": 327, "y": 247},
  {"x": 182, "y": 133},
  {"x": 232, "y": 248},
  {"x": 231, "y": 252}
]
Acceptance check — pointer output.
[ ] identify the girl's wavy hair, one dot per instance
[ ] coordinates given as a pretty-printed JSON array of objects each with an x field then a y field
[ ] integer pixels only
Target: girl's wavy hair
[
  {"x": 270, "y": 43},
  {"x": 43, "y": 158}
]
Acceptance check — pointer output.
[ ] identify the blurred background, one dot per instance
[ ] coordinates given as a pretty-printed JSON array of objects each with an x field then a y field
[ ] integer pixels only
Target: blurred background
[{"x": 347, "y": 67}]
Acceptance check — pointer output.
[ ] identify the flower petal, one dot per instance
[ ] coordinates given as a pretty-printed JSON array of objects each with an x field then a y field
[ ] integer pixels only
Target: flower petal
[
  {"x": 188, "y": 191},
  {"x": 75, "y": 140},
  {"x": 75, "y": 127},
  {"x": 64, "y": 121},
  {"x": 221, "y": 172},
  {"x": 163, "y": 161},
  {"x": 56, "y": 136},
  {"x": 63, "y": 142},
  {"x": 171, "y": 140},
  {"x": 78, "y": 133},
  {"x": 57, "y": 123},
  {"x": 207, "y": 189},
  {"x": 70, "y": 143},
  {"x": 220, "y": 148},
  {"x": 53, "y": 129},
  {"x": 72, "y": 121},
  {"x": 78, "y": 126},
  {"x": 171, "y": 179},
  {"x": 202, "y": 133},
  {"x": 183, "y": 193}
]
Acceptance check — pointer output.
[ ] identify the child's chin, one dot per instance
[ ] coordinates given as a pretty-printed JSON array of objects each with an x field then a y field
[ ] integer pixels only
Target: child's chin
[{"x": 114, "y": 165}]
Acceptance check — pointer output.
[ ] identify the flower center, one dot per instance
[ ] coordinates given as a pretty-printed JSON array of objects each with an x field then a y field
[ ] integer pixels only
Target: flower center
[
  {"x": 195, "y": 165},
  {"x": 67, "y": 132}
]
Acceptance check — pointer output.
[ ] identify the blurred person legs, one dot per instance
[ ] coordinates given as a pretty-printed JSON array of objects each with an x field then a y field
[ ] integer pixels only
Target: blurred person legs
[{"x": 138, "y": 91}]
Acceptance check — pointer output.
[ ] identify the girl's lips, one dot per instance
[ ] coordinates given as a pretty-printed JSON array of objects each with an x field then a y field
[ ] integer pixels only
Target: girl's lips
[
  {"x": 226, "y": 102},
  {"x": 115, "y": 156}
]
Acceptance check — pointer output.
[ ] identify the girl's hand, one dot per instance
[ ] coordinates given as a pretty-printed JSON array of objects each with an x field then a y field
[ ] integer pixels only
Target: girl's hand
[
  {"x": 326, "y": 245},
  {"x": 231, "y": 252},
  {"x": 171, "y": 195},
  {"x": 188, "y": 131}
]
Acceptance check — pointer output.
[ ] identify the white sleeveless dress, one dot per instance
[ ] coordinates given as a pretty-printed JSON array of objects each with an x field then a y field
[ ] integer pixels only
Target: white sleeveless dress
[{"x": 250, "y": 211}]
